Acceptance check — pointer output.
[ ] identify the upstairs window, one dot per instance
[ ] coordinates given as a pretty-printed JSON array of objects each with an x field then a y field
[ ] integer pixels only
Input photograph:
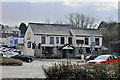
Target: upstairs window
[
  {"x": 57, "y": 39},
  {"x": 96, "y": 41},
  {"x": 51, "y": 40},
  {"x": 43, "y": 40},
  {"x": 62, "y": 40},
  {"x": 79, "y": 41},
  {"x": 86, "y": 41},
  {"x": 69, "y": 40}
]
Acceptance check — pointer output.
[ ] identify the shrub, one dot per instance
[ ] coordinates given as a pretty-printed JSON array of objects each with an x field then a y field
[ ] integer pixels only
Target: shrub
[
  {"x": 68, "y": 71},
  {"x": 10, "y": 62}
]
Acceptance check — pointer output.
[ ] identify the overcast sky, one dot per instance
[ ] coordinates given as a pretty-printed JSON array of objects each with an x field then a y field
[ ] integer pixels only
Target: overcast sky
[{"x": 13, "y": 13}]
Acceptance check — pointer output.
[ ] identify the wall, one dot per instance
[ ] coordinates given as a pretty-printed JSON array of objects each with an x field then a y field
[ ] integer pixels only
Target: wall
[{"x": 29, "y": 36}]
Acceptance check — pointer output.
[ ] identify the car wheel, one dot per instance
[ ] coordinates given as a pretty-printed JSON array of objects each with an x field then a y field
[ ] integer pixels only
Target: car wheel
[{"x": 29, "y": 60}]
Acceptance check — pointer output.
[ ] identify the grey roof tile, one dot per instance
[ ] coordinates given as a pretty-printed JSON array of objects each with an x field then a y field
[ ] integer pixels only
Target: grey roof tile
[{"x": 58, "y": 29}]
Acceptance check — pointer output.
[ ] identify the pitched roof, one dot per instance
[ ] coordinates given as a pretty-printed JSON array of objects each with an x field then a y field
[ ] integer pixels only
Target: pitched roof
[
  {"x": 53, "y": 29},
  {"x": 86, "y": 32},
  {"x": 15, "y": 29},
  {"x": 60, "y": 29}
]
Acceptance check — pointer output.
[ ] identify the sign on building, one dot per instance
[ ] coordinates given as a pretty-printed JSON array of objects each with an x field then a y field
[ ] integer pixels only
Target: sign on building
[{"x": 92, "y": 41}]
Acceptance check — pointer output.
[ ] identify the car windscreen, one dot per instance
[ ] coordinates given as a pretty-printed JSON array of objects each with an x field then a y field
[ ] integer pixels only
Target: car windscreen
[
  {"x": 88, "y": 57},
  {"x": 102, "y": 57}
]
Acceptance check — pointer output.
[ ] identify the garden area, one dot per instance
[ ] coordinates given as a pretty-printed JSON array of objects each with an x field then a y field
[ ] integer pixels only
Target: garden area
[
  {"x": 10, "y": 62},
  {"x": 68, "y": 71}
]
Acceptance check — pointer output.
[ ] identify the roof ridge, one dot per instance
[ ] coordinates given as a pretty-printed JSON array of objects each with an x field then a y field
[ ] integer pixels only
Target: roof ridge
[{"x": 50, "y": 24}]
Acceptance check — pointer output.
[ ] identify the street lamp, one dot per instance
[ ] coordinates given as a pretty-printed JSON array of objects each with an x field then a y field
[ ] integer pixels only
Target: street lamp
[{"x": 40, "y": 48}]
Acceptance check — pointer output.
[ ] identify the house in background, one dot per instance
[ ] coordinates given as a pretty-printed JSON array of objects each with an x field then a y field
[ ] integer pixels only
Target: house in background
[
  {"x": 61, "y": 41},
  {"x": 6, "y": 31}
]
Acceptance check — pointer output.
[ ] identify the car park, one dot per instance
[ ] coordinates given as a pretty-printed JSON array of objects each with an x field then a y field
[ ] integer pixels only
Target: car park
[
  {"x": 103, "y": 59},
  {"x": 10, "y": 54},
  {"x": 23, "y": 58}
]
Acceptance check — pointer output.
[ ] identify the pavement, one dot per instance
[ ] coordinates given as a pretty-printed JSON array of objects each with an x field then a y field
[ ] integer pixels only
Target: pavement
[{"x": 33, "y": 69}]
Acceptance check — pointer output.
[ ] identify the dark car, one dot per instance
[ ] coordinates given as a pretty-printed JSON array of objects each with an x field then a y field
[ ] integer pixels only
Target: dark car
[
  {"x": 90, "y": 57},
  {"x": 23, "y": 58}
]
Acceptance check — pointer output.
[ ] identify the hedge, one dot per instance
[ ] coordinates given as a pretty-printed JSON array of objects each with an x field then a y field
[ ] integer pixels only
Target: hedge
[
  {"x": 68, "y": 71},
  {"x": 10, "y": 62}
]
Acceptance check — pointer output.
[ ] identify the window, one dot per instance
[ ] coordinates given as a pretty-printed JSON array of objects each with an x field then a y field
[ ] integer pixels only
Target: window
[
  {"x": 88, "y": 50},
  {"x": 96, "y": 41},
  {"x": 43, "y": 40},
  {"x": 79, "y": 41},
  {"x": 62, "y": 40},
  {"x": 29, "y": 44},
  {"x": 86, "y": 41},
  {"x": 51, "y": 40},
  {"x": 57, "y": 39},
  {"x": 69, "y": 40},
  {"x": 111, "y": 58}
]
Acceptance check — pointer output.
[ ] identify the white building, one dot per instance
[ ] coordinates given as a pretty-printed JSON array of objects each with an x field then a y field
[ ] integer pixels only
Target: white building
[{"x": 55, "y": 40}]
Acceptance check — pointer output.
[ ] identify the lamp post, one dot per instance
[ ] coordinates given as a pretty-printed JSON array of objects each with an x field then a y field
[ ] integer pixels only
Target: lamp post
[
  {"x": 40, "y": 49},
  {"x": 92, "y": 46}
]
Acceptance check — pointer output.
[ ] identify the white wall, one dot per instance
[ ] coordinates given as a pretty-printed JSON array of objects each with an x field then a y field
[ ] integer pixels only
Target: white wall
[
  {"x": 83, "y": 38},
  {"x": 29, "y": 34}
]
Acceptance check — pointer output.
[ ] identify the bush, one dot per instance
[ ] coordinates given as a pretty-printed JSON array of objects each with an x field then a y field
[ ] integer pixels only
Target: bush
[
  {"x": 10, "y": 62},
  {"x": 68, "y": 71}
]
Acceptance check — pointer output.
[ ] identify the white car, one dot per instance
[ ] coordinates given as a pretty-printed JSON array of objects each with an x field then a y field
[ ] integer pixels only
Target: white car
[{"x": 10, "y": 54}]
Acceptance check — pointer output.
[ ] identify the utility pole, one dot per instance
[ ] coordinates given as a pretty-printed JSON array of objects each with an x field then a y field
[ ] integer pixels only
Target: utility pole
[{"x": 92, "y": 46}]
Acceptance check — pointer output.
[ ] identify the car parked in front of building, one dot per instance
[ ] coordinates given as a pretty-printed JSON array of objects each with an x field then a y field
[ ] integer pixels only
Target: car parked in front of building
[
  {"x": 23, "y": 58},
  {"x": 102, "y": 59},
  {"x": 90, "y": 57}
]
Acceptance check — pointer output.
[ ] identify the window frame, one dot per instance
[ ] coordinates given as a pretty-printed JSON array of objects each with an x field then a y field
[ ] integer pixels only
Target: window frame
[
  {"x": 97, "y": 42},
  {"x": 87, "y": 42},
  {"x": 62, "y": 40},
  {"x": 70, "y": 40},
  {"x": 43, "y": 40},
  {"x": 51, "y": 40}
]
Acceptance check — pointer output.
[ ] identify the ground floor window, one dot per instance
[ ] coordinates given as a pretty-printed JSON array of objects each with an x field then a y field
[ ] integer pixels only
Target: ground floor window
[
  {"x": 29, "y": 44},
  {"x": 88, "y": 50},
  {"x": 96, "y": 50}
]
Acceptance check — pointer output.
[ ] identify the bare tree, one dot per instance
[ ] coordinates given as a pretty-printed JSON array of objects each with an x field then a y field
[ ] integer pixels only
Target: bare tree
[
  {"x": 80, "y": 20},
  {"x": 59, "y": 21},
  {"x": 48, "y": 21}
]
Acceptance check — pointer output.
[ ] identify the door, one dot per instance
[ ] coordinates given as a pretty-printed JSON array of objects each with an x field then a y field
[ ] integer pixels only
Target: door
[{"x": 64, "y": 54}]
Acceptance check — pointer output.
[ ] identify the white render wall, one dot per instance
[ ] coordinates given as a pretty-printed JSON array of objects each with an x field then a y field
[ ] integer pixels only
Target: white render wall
[
  {"x": 29, "y": 33},
  {"x": 37, "y": 39},
  {"x": 83, "y": 38}
]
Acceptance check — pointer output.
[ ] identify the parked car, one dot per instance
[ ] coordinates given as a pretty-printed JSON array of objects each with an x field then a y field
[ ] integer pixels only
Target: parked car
[
  {"x": 23, "y": 58},
  {"x": 2, "y": 48},
  {"x": 10, "y": 54},
  {"x": 102, "y": 59},
  {"x": 18, "y": 51},
  {"x": 4, "y": 53},
  {"x": 90, "y": 57}
]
